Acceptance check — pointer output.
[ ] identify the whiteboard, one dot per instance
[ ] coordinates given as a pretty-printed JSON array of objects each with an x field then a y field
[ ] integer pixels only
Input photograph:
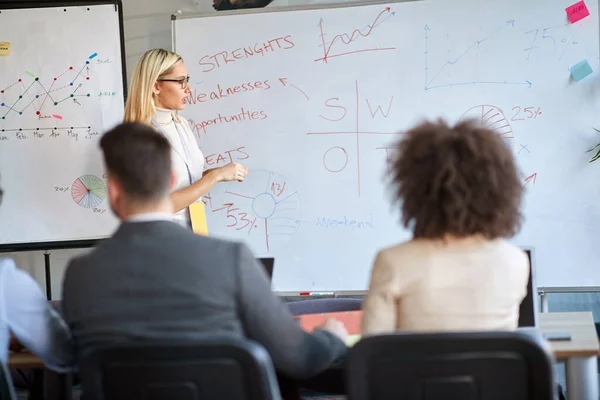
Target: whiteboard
[
  {"x": 61, "y": 86},
  {"x": 312, "y": 99}
]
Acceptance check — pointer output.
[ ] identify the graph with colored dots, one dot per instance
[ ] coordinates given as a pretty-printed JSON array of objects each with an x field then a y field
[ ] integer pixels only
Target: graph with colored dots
[
  {"x": 62, "y": 86},
  {"x": 31, "y": 96}
]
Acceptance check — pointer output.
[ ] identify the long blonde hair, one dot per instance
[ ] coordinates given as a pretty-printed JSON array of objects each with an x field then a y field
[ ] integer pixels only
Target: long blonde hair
[{"x": 153, "y": 64}]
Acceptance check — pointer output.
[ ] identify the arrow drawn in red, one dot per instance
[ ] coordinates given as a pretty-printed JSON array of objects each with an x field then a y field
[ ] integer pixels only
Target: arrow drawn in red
[
  {"x": 284, "y": 83},
  {"x": 531, "y": 178}
]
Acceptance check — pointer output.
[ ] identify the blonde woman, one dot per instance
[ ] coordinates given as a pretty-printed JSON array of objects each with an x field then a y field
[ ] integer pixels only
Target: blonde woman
[{"x": 159, "y": 86}]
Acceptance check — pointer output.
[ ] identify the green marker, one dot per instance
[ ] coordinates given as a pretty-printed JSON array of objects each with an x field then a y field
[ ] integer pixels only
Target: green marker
[{"x": 30, "y": 74}]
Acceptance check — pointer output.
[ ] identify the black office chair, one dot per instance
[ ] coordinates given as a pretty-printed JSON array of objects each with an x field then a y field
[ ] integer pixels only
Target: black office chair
[
  {"x": 211, "y": 369},
  {"x": 7, "y": 391},
  {"x": 466, "y": 366}
]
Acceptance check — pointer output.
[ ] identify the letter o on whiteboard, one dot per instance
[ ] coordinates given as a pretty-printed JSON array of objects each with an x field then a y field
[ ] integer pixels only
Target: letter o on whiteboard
[{"x": 335, "y": 159}]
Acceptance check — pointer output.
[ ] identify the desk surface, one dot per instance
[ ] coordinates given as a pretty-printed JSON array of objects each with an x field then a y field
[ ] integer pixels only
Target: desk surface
[
  {"x": 24, "y": 360},
  {"x": 583, "y": 343},
  {"x": 584, "y": 339}
]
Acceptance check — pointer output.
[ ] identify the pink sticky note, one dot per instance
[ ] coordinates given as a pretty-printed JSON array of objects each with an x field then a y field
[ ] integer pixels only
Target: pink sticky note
[{"x": 577, "y": 11}]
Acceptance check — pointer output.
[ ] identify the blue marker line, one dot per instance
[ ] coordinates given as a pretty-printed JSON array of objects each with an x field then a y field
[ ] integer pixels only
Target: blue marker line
[
  {"x": 528, "y": 83},
  {"x": 451, "y": 63},
  {"x": 93, "y": 56},
  {"x": 426, "y": 56}
]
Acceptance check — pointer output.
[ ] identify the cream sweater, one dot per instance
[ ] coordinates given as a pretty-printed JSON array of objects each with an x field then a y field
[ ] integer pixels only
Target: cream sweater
[
  {"x": 462, "y": 285},
  {"x": 163, "y": 120}
]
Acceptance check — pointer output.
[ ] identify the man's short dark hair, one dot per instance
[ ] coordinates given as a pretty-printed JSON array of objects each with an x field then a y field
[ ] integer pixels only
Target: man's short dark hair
[
  {"x": 139, "y": 157},
  {"x": 459, "y": 181}
]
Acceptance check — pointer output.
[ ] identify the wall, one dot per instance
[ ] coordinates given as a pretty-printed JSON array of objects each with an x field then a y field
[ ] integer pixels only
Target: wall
[{"x": 147, "y": 24}]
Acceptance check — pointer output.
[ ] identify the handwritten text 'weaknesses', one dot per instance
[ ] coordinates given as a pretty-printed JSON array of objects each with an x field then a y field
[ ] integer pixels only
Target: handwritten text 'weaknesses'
[{"x": 221, "y": 92}]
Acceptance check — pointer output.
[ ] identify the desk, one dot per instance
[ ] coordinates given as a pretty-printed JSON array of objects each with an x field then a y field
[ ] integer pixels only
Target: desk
[
  {"x": 580, "y": 353},
  {"x": 46, "y": 385},
  {"x": 24, "y": 360}
]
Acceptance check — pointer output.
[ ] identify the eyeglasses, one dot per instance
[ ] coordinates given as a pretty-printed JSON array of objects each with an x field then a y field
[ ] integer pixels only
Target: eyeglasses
[{"x": 184, "y": 82}]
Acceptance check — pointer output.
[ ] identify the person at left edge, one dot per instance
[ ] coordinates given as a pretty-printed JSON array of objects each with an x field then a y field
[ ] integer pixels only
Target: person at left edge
[{"x": 159, "y": 86}]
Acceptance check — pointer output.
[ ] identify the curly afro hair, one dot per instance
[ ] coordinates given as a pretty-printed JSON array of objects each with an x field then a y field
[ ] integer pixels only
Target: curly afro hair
[{"x": 459, "y": 181}]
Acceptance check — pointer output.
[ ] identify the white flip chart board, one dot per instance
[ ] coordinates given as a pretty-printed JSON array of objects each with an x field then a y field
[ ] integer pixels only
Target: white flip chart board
[
  {"x": 312, "y": 99},
  {"x": 61, "y": 87}
]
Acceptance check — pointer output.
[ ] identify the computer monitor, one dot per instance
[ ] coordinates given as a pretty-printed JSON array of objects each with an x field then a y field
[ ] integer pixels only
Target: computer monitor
[
  {"x": 269, "y": 264},
  {"x": 528, "y": 310}
]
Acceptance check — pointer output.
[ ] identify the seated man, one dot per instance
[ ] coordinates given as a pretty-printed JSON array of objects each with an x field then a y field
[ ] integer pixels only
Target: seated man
[
  {"x": 155, "y": 280},
  {"x": 26, "y": 313}
]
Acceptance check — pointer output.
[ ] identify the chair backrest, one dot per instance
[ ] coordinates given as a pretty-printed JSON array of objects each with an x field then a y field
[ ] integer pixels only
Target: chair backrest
[
  {"x": 529, "y": 307},
  {"x": 7, "y": 391},
  {"x": 327, "y": 305},
  {"x": 210, "y": 369},
  {"x": 466, "y": 366}
]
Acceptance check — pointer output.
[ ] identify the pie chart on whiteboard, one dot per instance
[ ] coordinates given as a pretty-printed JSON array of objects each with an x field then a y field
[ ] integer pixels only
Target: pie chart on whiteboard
[
  {"x": 264, "y": 210},
  {"x": 88, "y": 191},
  {"x": 492, "y": 117}
]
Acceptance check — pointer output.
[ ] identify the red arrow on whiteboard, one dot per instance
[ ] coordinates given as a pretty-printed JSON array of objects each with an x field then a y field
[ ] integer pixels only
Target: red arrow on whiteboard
[
  {"x": 285, "y": 83},
  {"x": 530, "y": 178}
]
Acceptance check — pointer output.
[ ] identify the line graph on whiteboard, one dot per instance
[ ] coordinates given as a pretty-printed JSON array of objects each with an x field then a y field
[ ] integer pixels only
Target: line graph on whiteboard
[
  {"x": 434, "y": 74},
  {"x": 264, "y": 210},
  {"x": 27, "y": 100},
  {"x": 341, "y": 41}
]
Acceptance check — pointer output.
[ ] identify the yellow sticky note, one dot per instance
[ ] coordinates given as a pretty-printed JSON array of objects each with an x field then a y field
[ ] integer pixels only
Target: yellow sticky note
[
  {"x": 198, "y": 217},
  {"x": 4, "y": 48}
]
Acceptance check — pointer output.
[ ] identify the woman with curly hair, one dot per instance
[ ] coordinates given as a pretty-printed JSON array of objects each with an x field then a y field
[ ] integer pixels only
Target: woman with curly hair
[{"x": 460, "y": 193}]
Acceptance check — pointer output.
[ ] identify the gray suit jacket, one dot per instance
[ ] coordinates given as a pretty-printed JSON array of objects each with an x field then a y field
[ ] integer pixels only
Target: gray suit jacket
[{"x": 158, "y": 281}]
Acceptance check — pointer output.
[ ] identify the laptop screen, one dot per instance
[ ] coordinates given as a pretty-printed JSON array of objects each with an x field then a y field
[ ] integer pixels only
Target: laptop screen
[
  {"x": 527, "y": 309},
  {"x": 268, "y": 263}
]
